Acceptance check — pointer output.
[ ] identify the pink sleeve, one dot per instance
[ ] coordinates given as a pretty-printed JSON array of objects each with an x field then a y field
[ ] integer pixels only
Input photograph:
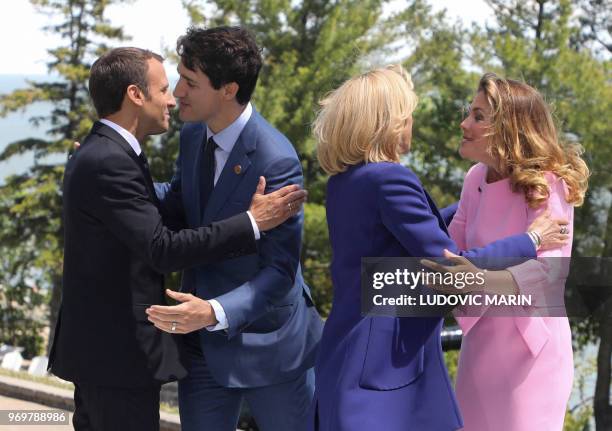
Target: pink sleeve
[
  {"x": 465, "y": 316},
  {"x": 543, "y": 278},
  {"x": 457, "y": 226}
]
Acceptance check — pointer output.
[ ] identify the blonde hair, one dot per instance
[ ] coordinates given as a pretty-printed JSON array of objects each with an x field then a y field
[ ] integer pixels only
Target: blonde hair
[
  {"x": 524, "y": 142},
  {"x": 362, "y": 120}
]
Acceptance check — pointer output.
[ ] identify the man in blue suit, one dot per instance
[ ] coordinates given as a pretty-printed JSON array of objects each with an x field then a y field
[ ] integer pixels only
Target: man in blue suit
[{"x": 252, "y": 327}]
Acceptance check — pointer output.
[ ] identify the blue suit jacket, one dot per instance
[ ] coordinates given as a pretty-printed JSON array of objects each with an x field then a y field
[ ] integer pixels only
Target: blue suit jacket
[
  {"x": 378, "y": 373},
  {"x": 274, "y": 329}
]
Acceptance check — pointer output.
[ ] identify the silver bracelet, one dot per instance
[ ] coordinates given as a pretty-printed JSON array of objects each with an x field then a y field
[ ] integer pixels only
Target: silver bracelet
[
  {"x": 539, "y": 237},
  {"x": 535, "y": 238}
]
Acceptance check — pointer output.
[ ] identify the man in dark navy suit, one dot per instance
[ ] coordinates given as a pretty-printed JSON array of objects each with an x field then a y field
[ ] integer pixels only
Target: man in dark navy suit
[{"x": 117, "y": 249}]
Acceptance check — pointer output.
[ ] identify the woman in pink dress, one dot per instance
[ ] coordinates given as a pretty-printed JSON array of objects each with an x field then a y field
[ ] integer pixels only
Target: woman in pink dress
[{"x": 515, "y": 373}]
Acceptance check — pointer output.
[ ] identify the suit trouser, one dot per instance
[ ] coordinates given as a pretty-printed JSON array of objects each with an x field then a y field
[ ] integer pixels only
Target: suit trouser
[
  {"x": 205, "y": 405},
  {"x": 100, "y": 408}
]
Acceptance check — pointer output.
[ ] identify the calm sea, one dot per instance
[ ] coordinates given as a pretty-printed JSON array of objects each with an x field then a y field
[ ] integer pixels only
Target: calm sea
[{"x": 16, "y": 126}]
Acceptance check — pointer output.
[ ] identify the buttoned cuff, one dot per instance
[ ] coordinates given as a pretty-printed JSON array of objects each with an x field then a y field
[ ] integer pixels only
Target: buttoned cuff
[
  {"x": 219, "y": 314},
  {"x": 255, "y": 228}
]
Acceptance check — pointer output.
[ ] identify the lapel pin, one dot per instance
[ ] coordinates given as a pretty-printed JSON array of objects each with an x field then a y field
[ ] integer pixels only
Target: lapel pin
[{"x": 237, "y": 169}]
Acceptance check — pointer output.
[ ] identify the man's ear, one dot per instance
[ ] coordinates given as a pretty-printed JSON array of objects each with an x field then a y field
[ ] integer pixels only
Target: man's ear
[
  {"x": 135, "y": 95},
  {"x": 230, "y": 90}
]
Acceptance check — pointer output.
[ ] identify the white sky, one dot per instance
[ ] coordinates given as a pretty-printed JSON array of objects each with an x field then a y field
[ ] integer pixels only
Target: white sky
[{"x": 153, "y": 24}]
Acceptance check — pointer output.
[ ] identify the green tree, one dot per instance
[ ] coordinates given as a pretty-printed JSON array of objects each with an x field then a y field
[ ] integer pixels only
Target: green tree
[
  {"x": 444, "y": 87},
  {"x": 595, "y": 25},
  {"x": 31, "y": 241},
  {"x": 21, "y": 302}
]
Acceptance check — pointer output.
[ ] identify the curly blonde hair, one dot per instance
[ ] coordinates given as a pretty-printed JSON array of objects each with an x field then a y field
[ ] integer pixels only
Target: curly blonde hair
[
  {"x": 524, "y": 142},
  {"x": 363, "y": 119}
]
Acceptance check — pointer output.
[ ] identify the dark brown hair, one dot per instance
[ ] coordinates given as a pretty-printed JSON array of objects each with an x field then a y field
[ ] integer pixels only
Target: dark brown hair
[
  {"x": 224, "y": 54},
  {"x": 114, "y": 72}
]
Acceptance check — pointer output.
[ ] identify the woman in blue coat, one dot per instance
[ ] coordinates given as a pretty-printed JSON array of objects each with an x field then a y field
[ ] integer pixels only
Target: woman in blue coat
[{"x": 382, "y": 373}]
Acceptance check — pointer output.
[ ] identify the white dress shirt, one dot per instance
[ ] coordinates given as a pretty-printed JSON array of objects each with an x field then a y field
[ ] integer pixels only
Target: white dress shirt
[{"x": 131, "y": 139}]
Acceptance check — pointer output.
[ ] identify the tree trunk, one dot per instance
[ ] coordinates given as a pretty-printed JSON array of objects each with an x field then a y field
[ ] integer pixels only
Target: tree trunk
[
  {"x": 603, "y": 410},
  {"x": 540, "y": 23},
  {"x": 601, "y": 402}
]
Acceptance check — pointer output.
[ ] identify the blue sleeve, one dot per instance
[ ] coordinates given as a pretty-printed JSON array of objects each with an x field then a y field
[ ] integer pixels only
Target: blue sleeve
[
  {"x": 279, "y": 254},
  {"x": 405, "y": 211},
  {"x": 170, "y": 198}
]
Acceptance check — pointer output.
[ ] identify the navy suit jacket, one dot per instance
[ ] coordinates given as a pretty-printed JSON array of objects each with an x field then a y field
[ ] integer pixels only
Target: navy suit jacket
[
  {"x": 382, "y": 373},
  {"x": 274, "y": 328}
]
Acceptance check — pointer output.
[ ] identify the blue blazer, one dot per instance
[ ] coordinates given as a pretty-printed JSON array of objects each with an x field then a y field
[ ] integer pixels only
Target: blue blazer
[
  {"x": 274, "y": 328},
  {"x": 379, "y": 373}
]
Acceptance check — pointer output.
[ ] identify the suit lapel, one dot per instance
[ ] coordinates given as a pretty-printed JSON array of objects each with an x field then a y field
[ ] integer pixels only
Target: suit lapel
[
  {"x": 104, "y": 130},
  {"x": 199, "y": 137},
  {"x": 148, "y": 180},
  {"x": 234, "y": 170}
]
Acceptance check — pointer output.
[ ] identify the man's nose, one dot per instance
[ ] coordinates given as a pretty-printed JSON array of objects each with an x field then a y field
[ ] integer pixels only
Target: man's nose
[
  {"x": 171, "y": 101},
  {"x": 178, "y": 91}
]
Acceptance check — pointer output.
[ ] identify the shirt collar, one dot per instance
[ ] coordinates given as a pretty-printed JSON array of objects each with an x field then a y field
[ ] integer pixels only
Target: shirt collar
[
  {"x": 227, "y": 137},
  {"x": 131, "y": 139}
]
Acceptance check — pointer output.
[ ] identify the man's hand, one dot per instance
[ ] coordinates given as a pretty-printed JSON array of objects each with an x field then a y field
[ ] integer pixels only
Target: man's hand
[
  {"x": 275, "y": 208},
  {"x": 192, "y": 314}
]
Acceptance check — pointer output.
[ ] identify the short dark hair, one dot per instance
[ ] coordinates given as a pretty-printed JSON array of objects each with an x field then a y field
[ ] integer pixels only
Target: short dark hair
[
  {"x": 225, "y": 54},
  {"x": 114, "y": 72}
]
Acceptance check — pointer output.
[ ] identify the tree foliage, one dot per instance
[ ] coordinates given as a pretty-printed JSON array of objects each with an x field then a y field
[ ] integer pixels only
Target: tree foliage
[{"x": 31, "y": 202}]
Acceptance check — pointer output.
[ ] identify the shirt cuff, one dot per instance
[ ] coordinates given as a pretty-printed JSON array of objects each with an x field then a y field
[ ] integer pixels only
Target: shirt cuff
[
  {"x": 219, "y": 314},
  {"x": 255, "y": 228}
]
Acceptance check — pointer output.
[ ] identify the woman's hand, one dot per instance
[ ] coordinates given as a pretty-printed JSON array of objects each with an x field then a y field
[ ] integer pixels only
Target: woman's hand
[
  {"x": 461, "y": 265},
  {"x": 554, "y": 233},
  {"x": 495, "y": 282}
]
